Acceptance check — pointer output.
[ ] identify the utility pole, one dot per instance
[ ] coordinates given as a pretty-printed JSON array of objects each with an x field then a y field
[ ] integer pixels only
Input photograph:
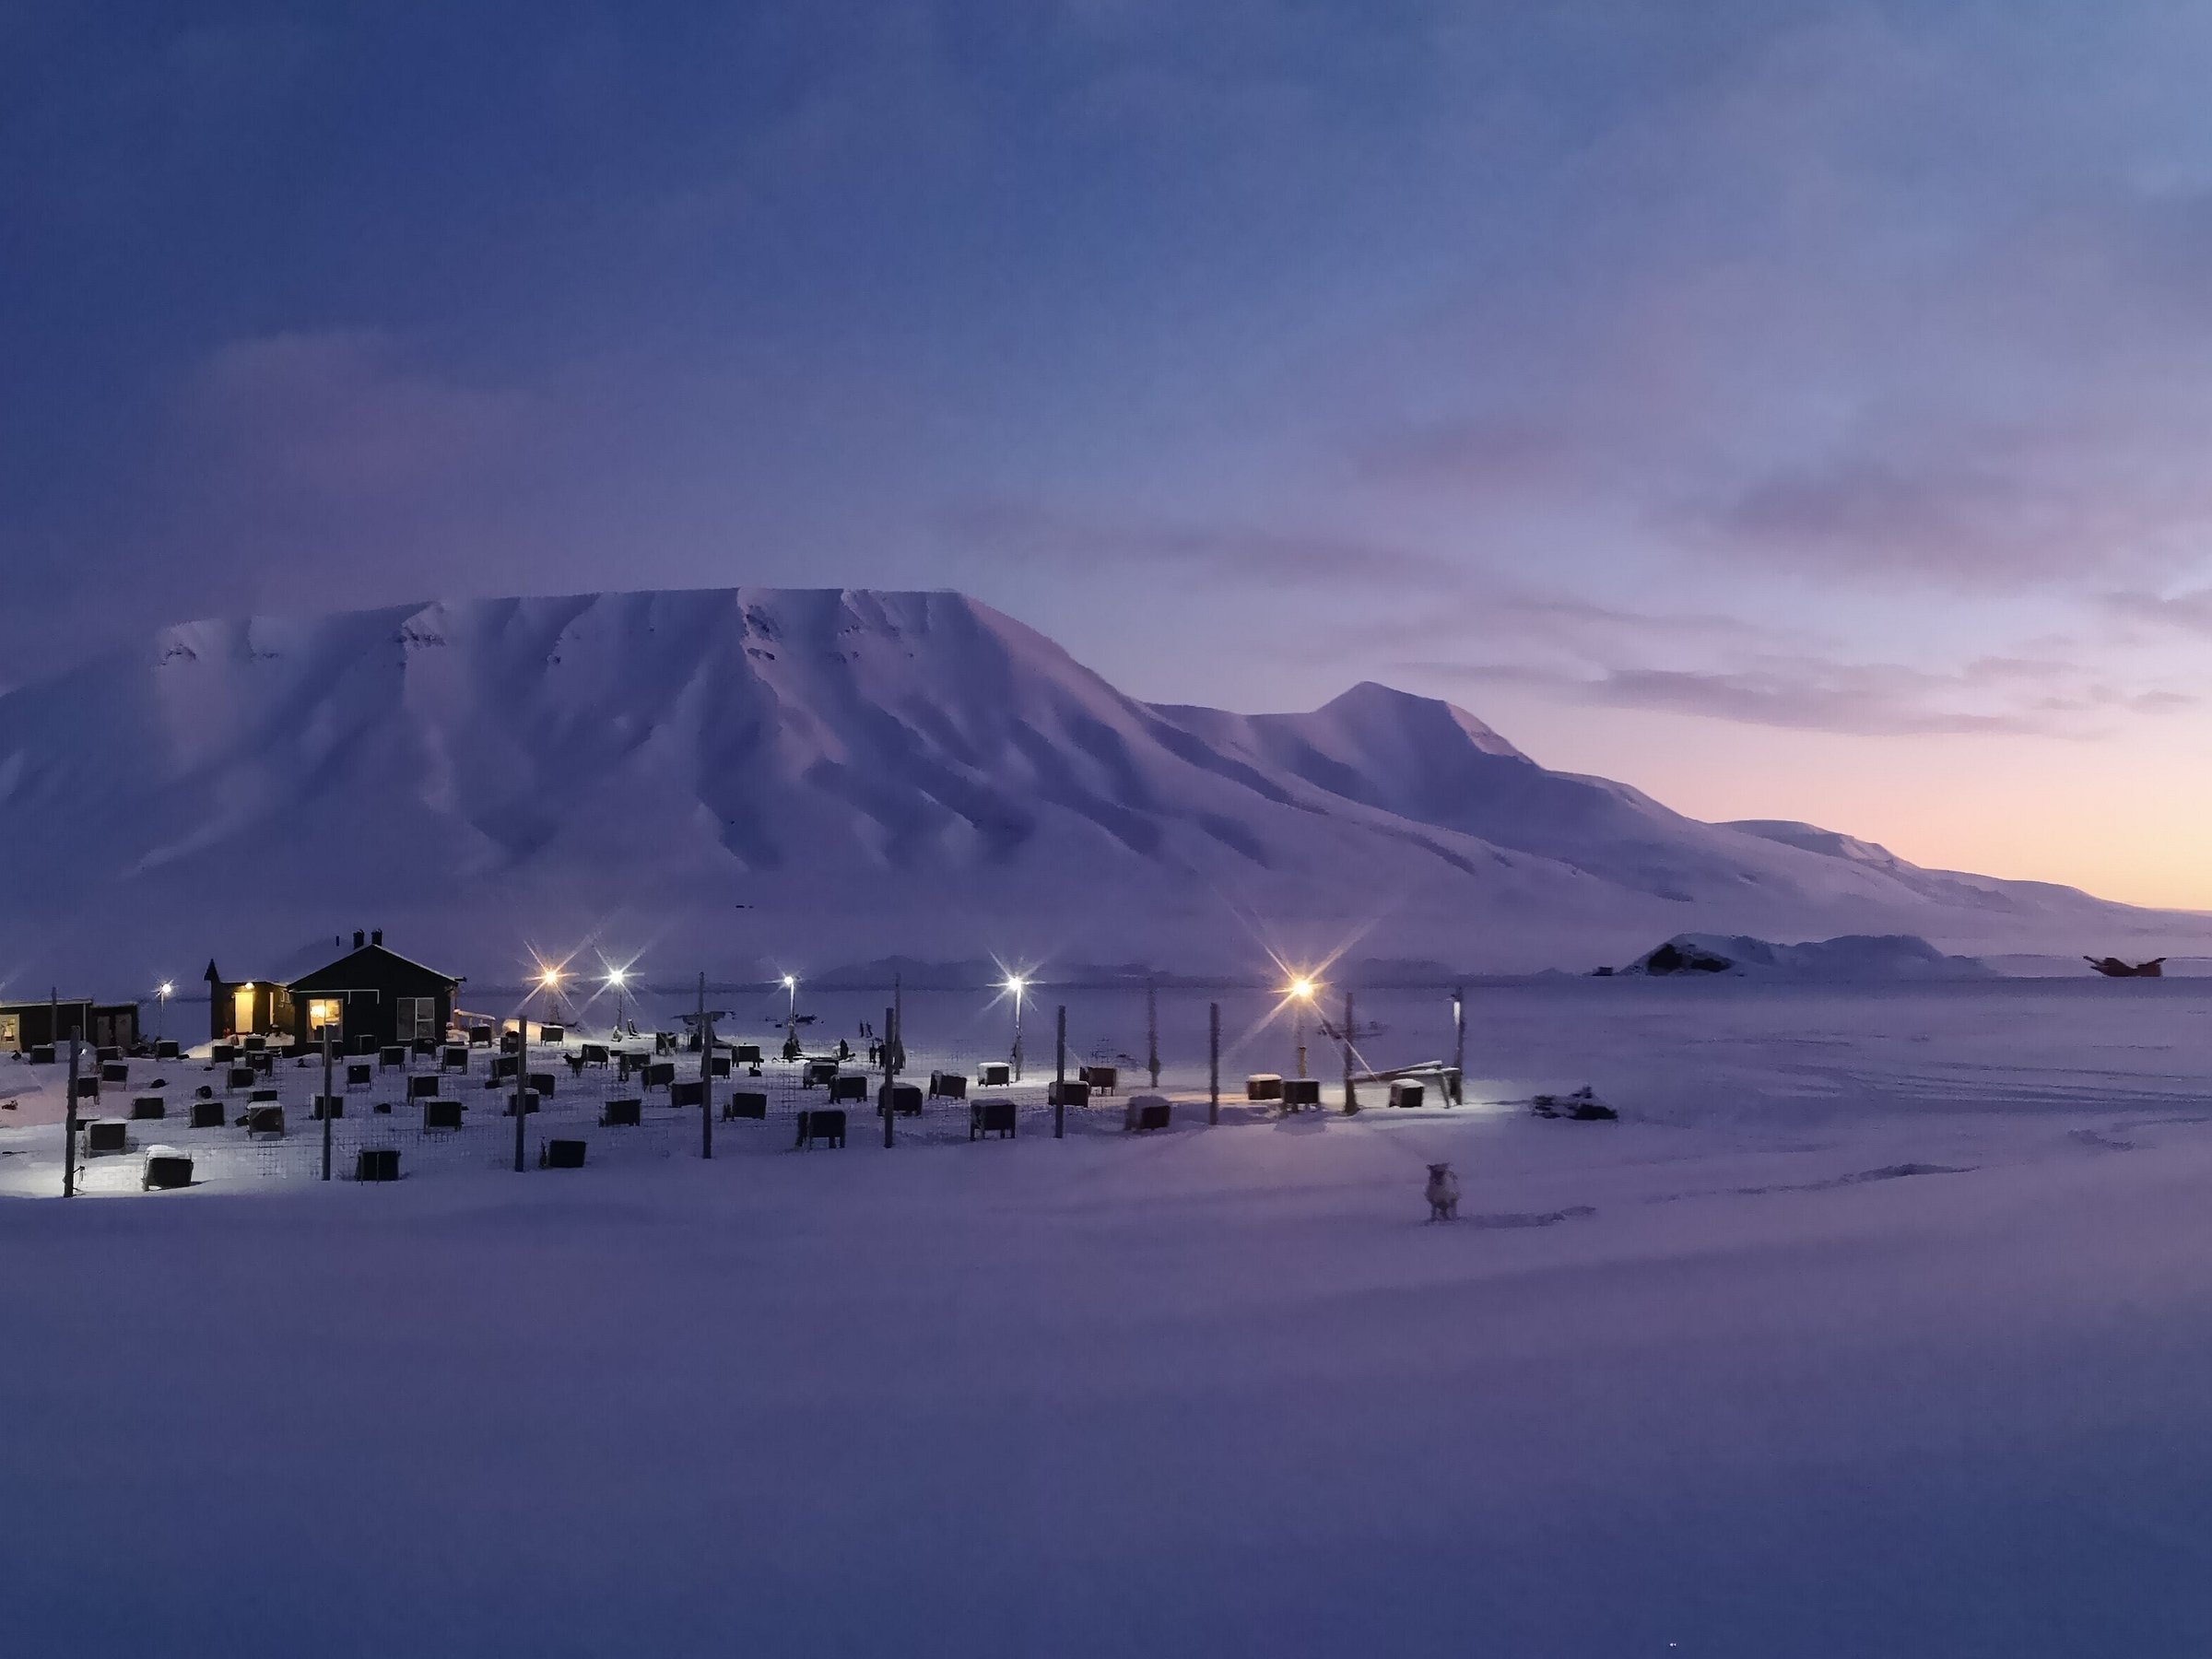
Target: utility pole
[
  {"x": 69, "y": 1116},
  {"x": 330, "y": 1105},
  {"x": 1060, "y": 1074},
  {"x": 1458, "y": 1094},
  {"x": 1213, "y": 1063},
  {"x": 898, "y": 1019},
  {"x": 706, "y": 1072},
  {"x": 1152, "y": 1029},
  {"x": 1351, "y": 1100},
  {"x": 521, "y": 1078},
  {"x": 891, "y": 1071}
]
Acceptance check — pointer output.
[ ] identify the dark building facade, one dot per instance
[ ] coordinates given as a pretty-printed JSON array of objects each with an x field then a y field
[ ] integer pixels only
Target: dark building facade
[
  {"x": 245, "y": 1007},
  {"x": 28, "y": 1025},
  {"x": 371, "y": 995}
]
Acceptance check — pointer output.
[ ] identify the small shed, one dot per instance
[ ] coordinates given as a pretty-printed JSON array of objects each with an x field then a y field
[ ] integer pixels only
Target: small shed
[{"x": 374, "y": 994}]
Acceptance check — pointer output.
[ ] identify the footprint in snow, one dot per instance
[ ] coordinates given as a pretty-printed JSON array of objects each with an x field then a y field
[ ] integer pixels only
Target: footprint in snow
[
  {"x": 2100, "y": 1143},
  {"x": 1530, "y": 1218}
]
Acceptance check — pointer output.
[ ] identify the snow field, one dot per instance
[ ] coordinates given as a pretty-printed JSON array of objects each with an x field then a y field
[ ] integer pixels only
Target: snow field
[{"x": 1879, "y": 1327}]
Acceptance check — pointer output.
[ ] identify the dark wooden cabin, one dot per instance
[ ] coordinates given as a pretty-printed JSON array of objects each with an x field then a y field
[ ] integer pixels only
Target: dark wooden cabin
[
  {"x": 28, "y": 1025},
  {"x": 245, "y": 1007},
  {"x": 374, "y": 995}
]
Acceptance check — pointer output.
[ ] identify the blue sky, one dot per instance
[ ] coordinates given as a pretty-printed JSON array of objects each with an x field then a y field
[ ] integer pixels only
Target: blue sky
[{"x": 1796, "y": 409}]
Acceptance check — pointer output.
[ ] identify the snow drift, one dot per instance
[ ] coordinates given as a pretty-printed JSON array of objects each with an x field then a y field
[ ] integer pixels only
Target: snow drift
[{"x": 754, "y": 776}]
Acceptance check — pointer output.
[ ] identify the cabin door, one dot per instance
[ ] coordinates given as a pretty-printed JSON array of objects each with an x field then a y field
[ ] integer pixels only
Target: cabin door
[{"x": 242, "y": 1010}]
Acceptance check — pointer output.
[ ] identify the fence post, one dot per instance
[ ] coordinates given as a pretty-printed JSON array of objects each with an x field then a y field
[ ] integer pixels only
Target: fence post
[
  {"x": 890, "y": 1070},
  {"x": 69, "y": 1119},
  {"x": 328, "y": 1112},
  {"x": 1213, "y": 1063},
  {"x": 522, "y": 1079},
  {"x": 1152, "y": 1030},
  {"x": 1351, "y": 1099},
  {"x": 1060, "y": 1078},
  {"x": 1458, "y": 1095},
  {"x": 706, "y": 1074}
]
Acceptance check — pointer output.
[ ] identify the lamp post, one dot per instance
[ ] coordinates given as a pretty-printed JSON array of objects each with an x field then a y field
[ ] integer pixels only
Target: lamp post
[
  {"x": 791, "y": 1006},
  {"x": 550, "y": 980},
  {"x": 162, "y": 992},
  {"x": 1302, "y": 998},
  {"x": 615, "y": 979},
  {"x": 1016, "y": 984}
]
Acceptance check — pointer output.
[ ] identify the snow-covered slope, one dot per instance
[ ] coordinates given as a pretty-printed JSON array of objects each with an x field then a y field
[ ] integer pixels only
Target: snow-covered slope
[{"x": 748, "y": 775}]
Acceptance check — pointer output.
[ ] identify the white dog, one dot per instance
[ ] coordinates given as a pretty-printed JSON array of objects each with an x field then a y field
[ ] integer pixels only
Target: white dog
[{"x": 1443, "y": 1192}]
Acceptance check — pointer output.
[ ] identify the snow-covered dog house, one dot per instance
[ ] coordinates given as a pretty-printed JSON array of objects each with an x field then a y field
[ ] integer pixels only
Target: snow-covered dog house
[
  {"x": 166, "y": 1170},
  {"x": 1100, "y": 1079},
  {"x": 995, "y": 1074},
  {"x": 1297, "y": 1093},
  {"x": 1262, "y": 1085},
  {"x": 1145, "y": 1113},
  {"x": 818, "y": 1123},
  {"x": 991, "y": 1117},
  {"x": 948, "y": 1085},
  {"x": 1405, "y": 1091}
]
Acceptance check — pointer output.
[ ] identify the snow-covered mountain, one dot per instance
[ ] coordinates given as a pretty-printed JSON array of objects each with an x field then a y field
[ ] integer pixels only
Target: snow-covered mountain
[{"x": 749, "y": 776}]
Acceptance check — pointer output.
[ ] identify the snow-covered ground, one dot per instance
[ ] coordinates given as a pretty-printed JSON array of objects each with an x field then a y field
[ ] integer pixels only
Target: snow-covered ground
[{"x": 1879, "y": 1325}]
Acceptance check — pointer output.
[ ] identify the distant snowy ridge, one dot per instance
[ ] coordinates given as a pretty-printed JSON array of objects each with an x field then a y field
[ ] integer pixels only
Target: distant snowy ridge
[
  {"x": 761, "y": 778},
  {"x": 1853, "y": 957}
]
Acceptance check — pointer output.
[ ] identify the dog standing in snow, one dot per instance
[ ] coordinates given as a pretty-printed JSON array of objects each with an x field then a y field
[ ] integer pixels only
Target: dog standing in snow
[{"x": 1443, "y": 1194}]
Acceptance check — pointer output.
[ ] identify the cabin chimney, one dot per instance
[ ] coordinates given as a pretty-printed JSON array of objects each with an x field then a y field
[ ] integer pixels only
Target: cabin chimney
[
  {"x": 376, "y": 935},
  {"x": 358, "y": 940}
]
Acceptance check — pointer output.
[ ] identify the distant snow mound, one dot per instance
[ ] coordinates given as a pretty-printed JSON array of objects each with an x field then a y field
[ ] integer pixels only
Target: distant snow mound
[{"x": 1852, "y": 956}]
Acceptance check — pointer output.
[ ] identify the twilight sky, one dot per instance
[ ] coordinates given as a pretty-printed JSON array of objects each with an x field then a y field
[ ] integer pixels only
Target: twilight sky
[{"x": 1794, "y": 408}]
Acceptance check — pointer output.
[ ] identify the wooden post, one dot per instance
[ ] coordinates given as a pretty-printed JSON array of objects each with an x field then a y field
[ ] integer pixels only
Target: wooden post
[
  {"x": 69, "y": 1116},
  {"x": 899, "y": 1018},
  {"x": 1458, "y": 1093},
  {"x": 890, "y": 1070},
  {"x": 1059, "y": 1075},
  {"x": 1152, "y": 1030},
  {"x": 706, "y": 1074},
  {"x": 1351, "y": 1098},
  {"x": 329, "y": 1111},
  {"x": 522, "y": 1079},
  {"x": 1213, "y": 1063}
]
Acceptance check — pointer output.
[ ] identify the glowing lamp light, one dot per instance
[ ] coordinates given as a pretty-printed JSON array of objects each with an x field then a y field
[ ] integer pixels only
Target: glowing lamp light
[
  {"x": 618, "y": 978},
  {"x": 791, "y": 982},
  {"x": 1302, "y": 989},
  {"x": 1016, "y": 984},
  {"x": 165, "y": 990},
  {"x": 550, "y": 978}
]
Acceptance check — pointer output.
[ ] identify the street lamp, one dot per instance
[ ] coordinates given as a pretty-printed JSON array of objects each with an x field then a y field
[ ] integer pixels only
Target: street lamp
[
  {"x": 1302, "y": 994},
  {"x": 162, "y": 992},
  {"x": 615, "y": 979},
  {"x": 791, "y": 1006},
  {"x": 1016, "y": 984}
]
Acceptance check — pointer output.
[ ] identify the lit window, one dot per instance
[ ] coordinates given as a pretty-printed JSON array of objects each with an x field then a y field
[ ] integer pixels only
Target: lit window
[{"x": 325, "y": 1011}]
